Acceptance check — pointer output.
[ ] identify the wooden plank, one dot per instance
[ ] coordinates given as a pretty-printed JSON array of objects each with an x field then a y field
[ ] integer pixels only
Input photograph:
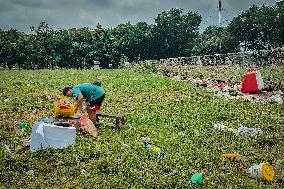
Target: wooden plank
[
  {"x": 111, "y": 115},
  {"x": 119, "y": 119}
]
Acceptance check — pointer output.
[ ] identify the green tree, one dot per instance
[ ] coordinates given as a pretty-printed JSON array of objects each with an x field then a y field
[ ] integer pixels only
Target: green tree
[
  {"x": 44, "y": 46},
  {"x": 258, "y": 27},
  {"x": 175, "y": 32},
  {"x": 245, "y": 29},
  {"x": 133, "y": 41},
  {"x": 104, "y": 46},
  {"x": 215, "y": 40},
  {"x": 9, "y": 48},
  {"x": 279, "y": 24}
]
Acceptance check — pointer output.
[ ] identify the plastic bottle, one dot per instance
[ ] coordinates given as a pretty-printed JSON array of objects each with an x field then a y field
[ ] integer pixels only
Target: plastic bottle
[
  {"x": 232, "y": 156},
  {"x": 152, "y": 148},
  {"x": 262, "y": 171},
  {"x": 22, "y": 126},
  {"x": 196, "y": 179}
]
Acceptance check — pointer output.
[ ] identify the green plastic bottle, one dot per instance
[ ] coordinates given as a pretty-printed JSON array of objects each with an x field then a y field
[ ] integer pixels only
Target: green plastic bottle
[
  {"x": 22, "y": 125},
  {"x": 196, "y": 179}
]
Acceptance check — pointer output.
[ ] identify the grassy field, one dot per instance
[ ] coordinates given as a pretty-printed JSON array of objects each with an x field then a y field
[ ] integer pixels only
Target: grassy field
[{"x": 177, "y": 116}]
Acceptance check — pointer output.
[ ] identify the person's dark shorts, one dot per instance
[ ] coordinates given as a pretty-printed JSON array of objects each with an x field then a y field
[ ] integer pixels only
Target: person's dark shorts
[{"x": 96, "y": 104}]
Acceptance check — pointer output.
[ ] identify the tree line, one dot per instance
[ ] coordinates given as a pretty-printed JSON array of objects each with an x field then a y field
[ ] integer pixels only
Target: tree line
[{"x": 174, "y": 34}]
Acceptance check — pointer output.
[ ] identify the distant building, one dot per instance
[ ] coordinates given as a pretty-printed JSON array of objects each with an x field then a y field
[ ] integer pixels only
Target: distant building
[{"x": 96, "y": 65}]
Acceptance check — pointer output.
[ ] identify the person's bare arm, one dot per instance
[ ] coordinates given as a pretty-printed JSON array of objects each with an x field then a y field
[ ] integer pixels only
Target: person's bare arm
[{"x": 79, "y": 104}]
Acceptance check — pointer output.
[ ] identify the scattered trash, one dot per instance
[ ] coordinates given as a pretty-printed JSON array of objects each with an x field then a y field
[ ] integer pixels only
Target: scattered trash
[
  {"x": 263, "y": 171},
  {"x": 245, "y": 131},
  {"x": 196, "y": 179},
  {"x": 220, "y": 126},
  {"x": 203, "y": 85},
  {"x": 22, "y": 126},
  {"x": 177, "y": 78},
  {"x": 233, "y": 92},
  {"x": 224, "y": 128},
  {"x": 30, "y": 172},
  {"x": 157, "y": 150},
  {"x": 215, "y": 90},
  {"x": 87, "y": 126},
  {"x": 23, "y": 147},
  {"x": 232, "y": 156},
  {"x": 252, "y": 87},
  {"x": 83, "y": 171},
  {"x": 172, "y": 173},
  {"x": 199, "y": 82},
  {"x": 276, "y": 99},
  {"x": 47, "y": 134},
  {"x": 152, "y": 148},
  {"x": 8, "y": 150},
  {"x": 125, "y": 146},
  {"x": 252, "y": 83},
  {"x": 222, "y": 93},
  {"x": 62, "y": 107},
  {"x": 145, "y": 139}
]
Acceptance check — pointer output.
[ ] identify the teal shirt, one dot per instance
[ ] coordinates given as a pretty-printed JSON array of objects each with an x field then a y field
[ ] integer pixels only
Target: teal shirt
[{"x": 89, "y": 91}]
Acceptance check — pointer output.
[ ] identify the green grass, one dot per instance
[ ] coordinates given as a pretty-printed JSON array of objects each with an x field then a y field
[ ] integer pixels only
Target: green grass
[{"x": 177, "y": 116}]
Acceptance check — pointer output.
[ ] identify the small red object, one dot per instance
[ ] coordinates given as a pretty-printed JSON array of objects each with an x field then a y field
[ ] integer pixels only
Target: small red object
[
  {"x": 64, "y": 106},
  {"x": 252, "y": 83},
  {"x": 72, "y": 122},
  {"x": 83, "y": 120},
  {"x": 222, "y": 85}
]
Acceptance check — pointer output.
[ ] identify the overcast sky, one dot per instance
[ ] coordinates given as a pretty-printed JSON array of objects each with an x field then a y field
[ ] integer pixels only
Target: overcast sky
[{"x": 21, "y": 14}]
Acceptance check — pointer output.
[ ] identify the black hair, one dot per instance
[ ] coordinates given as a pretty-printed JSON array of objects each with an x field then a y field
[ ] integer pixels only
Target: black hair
[
  {"x": 97, "y": 83},
  {"x": 65, "y": 90}
]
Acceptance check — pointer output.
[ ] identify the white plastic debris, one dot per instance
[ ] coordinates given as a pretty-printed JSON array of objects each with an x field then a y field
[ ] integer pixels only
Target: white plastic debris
[
  {"x": 276, "y": 98},
  {"x": 220, "y": 126},
  {"x": 46, "y": 134},
  {"x": 8, "y": 150},
  {"x": 224, "y": 128},
  {"x": 245, "y": 131},
  {"x": 30, "y": 172},
  {"x": 177, "y": 78},
  {"x": 198, "y": 81},
  {"x": 83, "y": 171}
]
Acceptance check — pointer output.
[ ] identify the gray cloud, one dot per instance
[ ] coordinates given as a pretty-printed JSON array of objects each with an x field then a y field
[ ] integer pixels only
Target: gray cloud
[{"x": 21, "y": 14}]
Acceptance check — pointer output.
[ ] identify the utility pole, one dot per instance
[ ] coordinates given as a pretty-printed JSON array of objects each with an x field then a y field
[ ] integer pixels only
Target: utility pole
[{"x": 220, "y": 10}]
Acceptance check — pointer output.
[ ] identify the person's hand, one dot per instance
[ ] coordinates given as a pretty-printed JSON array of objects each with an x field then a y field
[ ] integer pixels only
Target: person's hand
[{"x": 78, "y": 114}]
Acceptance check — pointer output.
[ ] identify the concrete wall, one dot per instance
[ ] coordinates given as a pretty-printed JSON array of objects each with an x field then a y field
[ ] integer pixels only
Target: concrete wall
[
  {"x": 254, "y": 57},
  {"x": 258, "y": 58}
]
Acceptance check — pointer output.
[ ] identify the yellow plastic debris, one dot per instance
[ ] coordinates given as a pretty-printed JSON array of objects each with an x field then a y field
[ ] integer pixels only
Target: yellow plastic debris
[
  {"x": 63, "y": 108},
  {"x": 262, "y": 171},
  {"x": 232, "y": 156}
]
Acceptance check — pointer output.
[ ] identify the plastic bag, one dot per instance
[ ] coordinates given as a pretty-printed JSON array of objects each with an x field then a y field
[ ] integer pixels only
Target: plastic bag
[{"x": 87, "y": 126}]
